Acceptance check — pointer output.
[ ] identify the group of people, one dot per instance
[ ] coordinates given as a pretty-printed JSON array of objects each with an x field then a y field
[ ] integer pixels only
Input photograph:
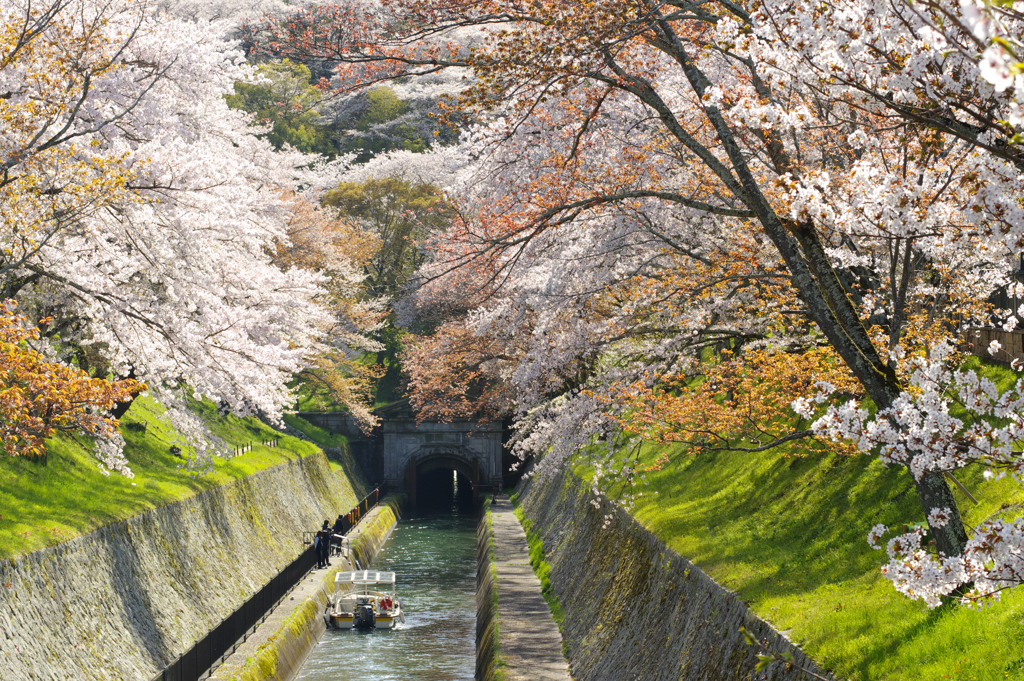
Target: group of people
[{"x": 322, "y": 542}]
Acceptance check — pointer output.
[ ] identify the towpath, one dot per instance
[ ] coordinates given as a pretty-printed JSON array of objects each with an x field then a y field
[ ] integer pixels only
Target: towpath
[
  {"x": 531, "y": 644},
  {"x": 317, "y": 585}
]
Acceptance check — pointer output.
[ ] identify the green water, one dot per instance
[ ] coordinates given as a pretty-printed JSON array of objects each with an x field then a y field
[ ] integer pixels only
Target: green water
[{"x": 434, "y": 560}]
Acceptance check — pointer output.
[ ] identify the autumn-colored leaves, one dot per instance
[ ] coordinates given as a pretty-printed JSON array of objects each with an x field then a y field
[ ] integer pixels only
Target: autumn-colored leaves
[
  {"x": 39, "y": 397},
  {"x": 734, "y": 403}
]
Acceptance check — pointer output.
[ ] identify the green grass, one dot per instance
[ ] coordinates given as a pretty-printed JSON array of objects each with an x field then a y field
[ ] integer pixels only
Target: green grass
[
  {"x": 65, "y": 495},
  {"x": 789, "y": 535},
  {"x": 324, "y": 438},
  {"x": 541, "y": 567},
  {"x": 344, "y": 462}
]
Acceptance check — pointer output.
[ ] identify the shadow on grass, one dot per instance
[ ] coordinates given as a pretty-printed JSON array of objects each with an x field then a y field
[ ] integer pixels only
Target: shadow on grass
[
  {"x": 49, "y": 501},
  {"x": 789, "y": 535}
]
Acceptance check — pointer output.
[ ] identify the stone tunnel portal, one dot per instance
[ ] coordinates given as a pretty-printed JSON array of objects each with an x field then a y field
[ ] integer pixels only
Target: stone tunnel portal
[
  {"x": 442, "y": 480},
  {"x": 430, "y": 461},
  {"x": 438, "y": 463}
]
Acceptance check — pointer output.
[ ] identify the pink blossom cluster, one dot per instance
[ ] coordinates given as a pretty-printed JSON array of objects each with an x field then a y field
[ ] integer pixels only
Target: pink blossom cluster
[{"x": 172, "y": 280}]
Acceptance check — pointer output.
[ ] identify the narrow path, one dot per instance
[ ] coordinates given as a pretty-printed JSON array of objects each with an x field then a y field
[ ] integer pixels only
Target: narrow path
[
  {"x": 318, "y": 584},
  {"x": 531, "y": 644}
]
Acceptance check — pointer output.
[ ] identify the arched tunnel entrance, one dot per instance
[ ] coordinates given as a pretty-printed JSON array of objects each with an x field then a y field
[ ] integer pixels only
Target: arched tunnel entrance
[{"x": 441, "y": 481}]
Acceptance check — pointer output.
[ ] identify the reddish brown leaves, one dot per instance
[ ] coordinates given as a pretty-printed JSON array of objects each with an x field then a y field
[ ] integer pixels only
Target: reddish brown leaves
[{"x": 39, "y": 397}]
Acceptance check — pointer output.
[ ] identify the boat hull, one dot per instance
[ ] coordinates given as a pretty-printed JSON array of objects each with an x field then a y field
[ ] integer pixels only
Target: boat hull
[
  {"x": 342, "y": 621},
  {"x": 348, "y": 622}
]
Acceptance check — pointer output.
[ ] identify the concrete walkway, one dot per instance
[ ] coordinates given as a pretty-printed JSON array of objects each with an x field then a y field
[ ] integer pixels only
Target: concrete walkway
[
  {"x": 531, "y": 644},
  {"x": 318, "y": 584}
]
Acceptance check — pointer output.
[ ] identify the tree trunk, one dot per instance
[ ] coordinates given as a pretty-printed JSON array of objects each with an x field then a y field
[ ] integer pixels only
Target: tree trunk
[
  {"x": 934, "y": 492},
  {"x": 821, "y": 290},
  {"x": 121, "y": 408}
]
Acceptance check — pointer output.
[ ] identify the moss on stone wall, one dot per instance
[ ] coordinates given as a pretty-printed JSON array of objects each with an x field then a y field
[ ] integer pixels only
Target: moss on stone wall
[
  {"x": 262, "y": 666},
  {"x": 369, "y": 541},
  {"x": 295, "y": 635},
  {"x": 281, "y": 655},
  {"x": 159, "y": 581},
  {"x": 489, "y": 663}
]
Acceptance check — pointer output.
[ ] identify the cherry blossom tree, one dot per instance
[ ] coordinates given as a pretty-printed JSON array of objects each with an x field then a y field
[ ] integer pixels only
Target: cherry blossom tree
[
  {"x": 39, "y": 398},
  {"x": 143, "y": 215},
  {"x": 654, "y": 180},
  {"x": 320, "y": 240}
]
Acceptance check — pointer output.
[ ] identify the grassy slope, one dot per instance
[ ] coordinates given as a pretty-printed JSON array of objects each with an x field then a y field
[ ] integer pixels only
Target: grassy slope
[
  {"x": 344, "y": 462},
  {"x": 789, "y": 535},
  {"x": 324, "y": 438},
  {"x": 47, "y": 502}
]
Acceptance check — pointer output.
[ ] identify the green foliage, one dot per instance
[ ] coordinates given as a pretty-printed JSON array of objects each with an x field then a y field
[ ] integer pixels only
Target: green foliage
[
  {"x": 789, "y": 535},
  {"x": 372, "y": 135},
  {"x": 288, "y": 104},
  {"x": 388, "y": 386},
  {"x": 312, "y": 396},
  {"x": 402, "y": 214},
  {"x": 65, "y": 495},
  {"x": 384, "y": 106}
]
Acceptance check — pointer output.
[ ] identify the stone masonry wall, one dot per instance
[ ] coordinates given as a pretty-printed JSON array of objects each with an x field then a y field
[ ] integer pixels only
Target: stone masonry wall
[
  {"x": 487, "y": 653},
  {"x": 636, "y": 610},
  {"x": 124, "y": 601}
]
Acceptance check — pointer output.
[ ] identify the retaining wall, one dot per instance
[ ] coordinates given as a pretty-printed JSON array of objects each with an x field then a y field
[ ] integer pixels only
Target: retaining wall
[
  {"x": 636, "y": 610},
  {"x": 487, "y": 648},
  {"x": 124, "y": 601}
]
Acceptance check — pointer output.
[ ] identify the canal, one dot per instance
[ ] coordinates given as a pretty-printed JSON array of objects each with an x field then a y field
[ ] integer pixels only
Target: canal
[{"x": 433, "y": 555}]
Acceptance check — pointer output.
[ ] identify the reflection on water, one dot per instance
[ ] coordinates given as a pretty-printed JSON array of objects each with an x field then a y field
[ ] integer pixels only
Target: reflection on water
[{"x": 434, "y": 559}]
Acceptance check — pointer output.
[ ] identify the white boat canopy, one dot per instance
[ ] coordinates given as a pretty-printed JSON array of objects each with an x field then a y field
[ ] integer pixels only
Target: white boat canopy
[{"x": 364, "y": 577}]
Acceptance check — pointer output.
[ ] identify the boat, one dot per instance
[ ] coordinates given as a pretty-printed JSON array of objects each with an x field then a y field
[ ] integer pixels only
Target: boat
[{"x": 364, "y": 599}]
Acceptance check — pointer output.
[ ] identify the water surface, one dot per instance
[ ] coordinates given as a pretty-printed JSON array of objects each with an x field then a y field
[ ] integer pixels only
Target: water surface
[{"x": 433, "y": 556}]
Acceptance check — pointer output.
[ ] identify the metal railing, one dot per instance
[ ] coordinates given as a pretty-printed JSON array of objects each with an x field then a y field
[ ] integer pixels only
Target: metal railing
[
  {"x": 213, "y": 648},
  {"x": 365, "y": 505},
  {"x": 217, "y": 645}
]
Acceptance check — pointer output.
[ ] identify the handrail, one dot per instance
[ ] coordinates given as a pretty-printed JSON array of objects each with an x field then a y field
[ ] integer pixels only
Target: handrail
[
  {"x": 364, "y": 506},
  {"x": 219, "y": 643}
]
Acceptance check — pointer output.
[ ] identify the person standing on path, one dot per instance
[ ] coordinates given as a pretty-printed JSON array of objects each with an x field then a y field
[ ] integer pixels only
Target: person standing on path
[
  {"x": 316, "y": 549},
  {"x": 323, "y": 551}
]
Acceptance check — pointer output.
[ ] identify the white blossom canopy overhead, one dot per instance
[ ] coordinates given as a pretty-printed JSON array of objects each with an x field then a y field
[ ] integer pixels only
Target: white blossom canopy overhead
[
  {"x": 142, "y": 213},
  {"x": 655, "y": 178}
]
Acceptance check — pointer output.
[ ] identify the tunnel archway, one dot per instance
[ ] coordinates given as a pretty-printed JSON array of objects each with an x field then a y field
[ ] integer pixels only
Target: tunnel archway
[{"x": 441, "y": 481}]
